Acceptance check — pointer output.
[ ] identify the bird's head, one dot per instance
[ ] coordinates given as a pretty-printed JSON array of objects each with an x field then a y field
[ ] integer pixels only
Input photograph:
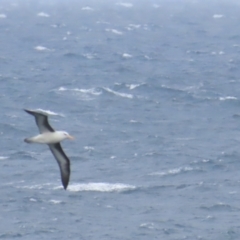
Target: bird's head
[{"x": 65, "y": 135}]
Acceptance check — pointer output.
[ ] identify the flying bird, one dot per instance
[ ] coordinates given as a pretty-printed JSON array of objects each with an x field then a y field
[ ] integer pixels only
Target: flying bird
[{"x": 52, "y": 138}]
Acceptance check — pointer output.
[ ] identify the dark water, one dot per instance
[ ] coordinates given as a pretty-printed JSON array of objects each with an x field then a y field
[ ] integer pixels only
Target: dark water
[{"x": 150, "y": 90}]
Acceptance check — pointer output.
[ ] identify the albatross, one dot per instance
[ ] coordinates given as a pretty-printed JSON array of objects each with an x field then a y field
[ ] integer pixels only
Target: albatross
[{"x": 52, "y": 138}]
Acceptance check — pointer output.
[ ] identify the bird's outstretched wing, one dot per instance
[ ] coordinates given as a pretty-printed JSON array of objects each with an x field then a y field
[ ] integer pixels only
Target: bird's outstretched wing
[
  {"x": 41, "y": 121},
  {"x": 63, "y": 162}
]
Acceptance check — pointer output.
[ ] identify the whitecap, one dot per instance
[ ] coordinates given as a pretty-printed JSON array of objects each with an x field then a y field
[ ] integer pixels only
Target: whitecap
[
  {"x": 2, "y": 15},
  {"x": 147, "y": 57},
  {"x": 89, "y": 148},
  {"x": 37, "y": 186},
  {"x": 126, "y": 55},
  {"x": 92, "y": 91},
  {"x": 114, "y": 31},
  {"x": 125, "y": 95},
  {"x": 124, "y": 4},
  {"x": 42, "y": 48},
  {"x": 218, "y": 16},
  {"x": 62, "y": 89},
  {"x": 148, "y": 225},
  {"x": 100, "y": 187},
  {"x": 33, "y": 200},
  {"x": 3, "y": 158},
  {"x": 55, "y": 201},
  {"x": 43, "y": 14},
  {"x": 133, "y": 26},
  {"x": 87, "y": 8},
  {"x": 83, "y": 94},
  {"x": 173, "y": 171},
  {"x": 227, "y": 98},
  {"x": 88, "y": 55},
  {"x": 133, "y": 86}
]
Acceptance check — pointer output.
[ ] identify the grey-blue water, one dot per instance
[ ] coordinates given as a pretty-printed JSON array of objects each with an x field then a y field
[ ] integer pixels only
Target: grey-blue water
[{"x": 151, "y": 92}]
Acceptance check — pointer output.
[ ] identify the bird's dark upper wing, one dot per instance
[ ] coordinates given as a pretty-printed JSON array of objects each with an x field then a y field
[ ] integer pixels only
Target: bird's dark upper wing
[
  {"x": 41, "y": 121},
  {"x": 63, "y": 162}
]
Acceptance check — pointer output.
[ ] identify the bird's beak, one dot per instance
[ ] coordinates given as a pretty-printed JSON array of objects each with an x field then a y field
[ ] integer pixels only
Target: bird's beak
[{"x": 70, "y": 137}]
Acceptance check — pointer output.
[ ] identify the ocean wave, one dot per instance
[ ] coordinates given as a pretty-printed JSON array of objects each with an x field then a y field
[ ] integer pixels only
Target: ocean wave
[
  {"x": 148, "y": 225},
  {"x": 92, "y": 91},
  {"x": 124, "y": 95},
  {"x": 3, "y": 158},
  {"x": 24, "y": 155},
  {"x": 43, "y": 14},
  {"x": 87, "y": 94},
  {"x": 174, "y": 171},
  {"x": 125, "y": 4},
  {"x": 219, "y": 207},
  {"x": 218, "y": 16},
  {"x": 55, "y": 201},
  {"x": 127, "y": 55},
  {"x": 96, "y": 91},
  {"x": 87, "y": 8},
  {"x": 89, "y": 55},
  {"x": 43, "y": 49},
  {"x": 227, "y": 98},
  {"x": 100, "y": 187},
  {"x": 35, "y": 186},
  {"x": 133, "y": 86},
  {"x": 115, "y": 31}
]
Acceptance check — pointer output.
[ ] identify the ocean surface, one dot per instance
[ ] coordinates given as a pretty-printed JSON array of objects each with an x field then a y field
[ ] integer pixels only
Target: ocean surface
[{"x": 150, "y": 89}]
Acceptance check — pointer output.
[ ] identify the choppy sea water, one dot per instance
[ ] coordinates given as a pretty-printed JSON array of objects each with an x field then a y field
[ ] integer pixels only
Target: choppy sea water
[{"x": 150, "y": 90}]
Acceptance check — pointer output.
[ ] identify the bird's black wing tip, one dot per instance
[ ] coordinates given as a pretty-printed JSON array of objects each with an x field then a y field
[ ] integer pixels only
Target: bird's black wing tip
[{"x": 28, "y": 111}]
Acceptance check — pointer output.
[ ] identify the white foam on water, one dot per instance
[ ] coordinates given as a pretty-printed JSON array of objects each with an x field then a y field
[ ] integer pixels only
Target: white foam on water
[
  {"x": 43, "y": 49},
  {"x": 173, "y": 171},
  {"x": 133, "y": 26},
  {"x": 125, "y": 4},
  {"x": 133, "y": 86},
  {"x": 148, "y": 225},
  {"x": 83, "y": 94},
  {"x": 92, "y": 91},
  {"x": 115, "y": 31},
  {"x": 33, "y": 200},
  {"x": 125, "y": 95},
  {"x": 89, "y": 55},
  {"x": 87, "y": 8},
  {"x": 227, "y": 98},
  {"x": 43, "y": 14},
  {"x": 3, "y": 158},
  {"x": 89, "y": 148},
  {"x": 99, "y": 187},
  {"x": 55, "y": 201},
  {"x": 126, "y": 55},
  {"x": 218, "y": 16}
]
